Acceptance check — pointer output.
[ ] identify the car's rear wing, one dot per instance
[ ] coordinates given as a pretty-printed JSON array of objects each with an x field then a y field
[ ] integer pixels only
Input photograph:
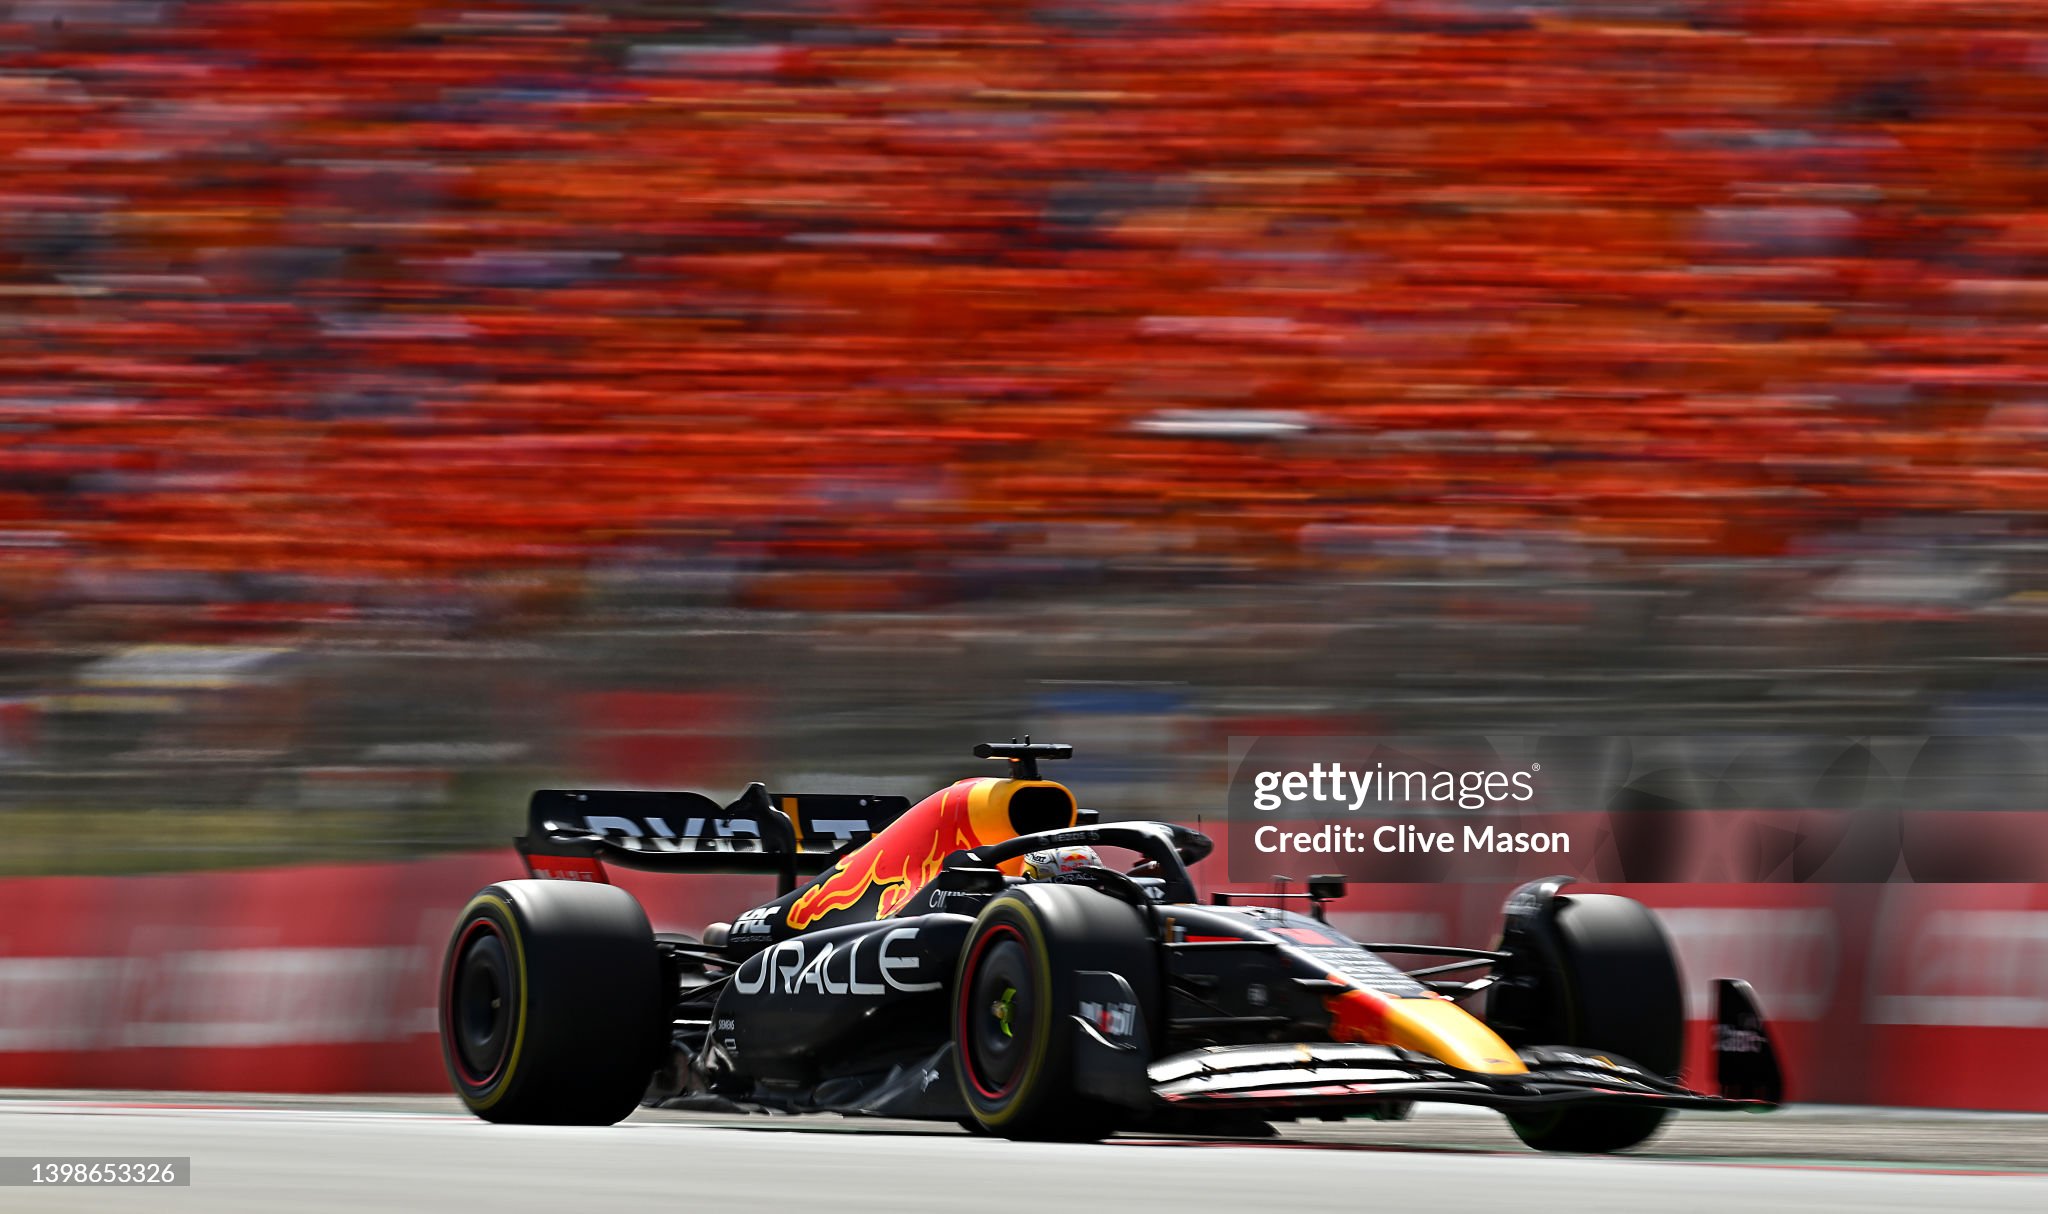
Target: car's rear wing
[{"x": 570, "y": 833}]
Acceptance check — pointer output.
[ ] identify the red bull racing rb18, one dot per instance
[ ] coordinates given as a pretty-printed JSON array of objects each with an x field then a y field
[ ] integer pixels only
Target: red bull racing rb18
[{"x": 996, "y": 957}]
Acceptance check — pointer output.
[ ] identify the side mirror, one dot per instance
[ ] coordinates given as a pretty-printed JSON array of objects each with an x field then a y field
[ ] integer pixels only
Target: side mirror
[
  {"x": 965, "y": 880},
  {"x": 1325, "y": 888}
]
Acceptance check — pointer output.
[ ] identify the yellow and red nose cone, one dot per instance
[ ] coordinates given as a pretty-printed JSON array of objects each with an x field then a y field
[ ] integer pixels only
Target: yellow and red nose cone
[
  {"x": 907, "y": 853},
  {"x": 1436, "y": 1027}
]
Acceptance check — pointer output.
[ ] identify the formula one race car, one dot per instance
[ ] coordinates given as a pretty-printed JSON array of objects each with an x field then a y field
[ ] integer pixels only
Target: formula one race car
[{"x": 971, "y": 958}]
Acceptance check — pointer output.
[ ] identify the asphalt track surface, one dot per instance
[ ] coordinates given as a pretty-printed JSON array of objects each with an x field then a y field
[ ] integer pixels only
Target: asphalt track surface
[{"x": 389, "y": 1154}]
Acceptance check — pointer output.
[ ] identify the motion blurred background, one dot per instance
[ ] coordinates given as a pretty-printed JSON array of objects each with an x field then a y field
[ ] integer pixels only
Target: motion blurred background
[
  {"x": 406, "y": 403},
  {"x": 403, "y": 403}
]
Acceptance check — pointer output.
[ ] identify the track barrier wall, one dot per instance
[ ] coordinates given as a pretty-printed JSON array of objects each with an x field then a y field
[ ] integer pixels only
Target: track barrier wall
[{"x": 323, "y": 978}]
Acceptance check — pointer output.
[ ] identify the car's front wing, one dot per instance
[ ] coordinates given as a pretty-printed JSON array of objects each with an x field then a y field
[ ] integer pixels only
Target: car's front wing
[{"x": 1329, "y": 1077}]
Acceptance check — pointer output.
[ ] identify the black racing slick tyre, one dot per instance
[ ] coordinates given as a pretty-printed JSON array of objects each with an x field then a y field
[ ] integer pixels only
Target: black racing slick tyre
[
  {"x": 1015, "y": 1000},
  {"x": 1605, "y": 979},
  {"x": 551, "y": 1004}
]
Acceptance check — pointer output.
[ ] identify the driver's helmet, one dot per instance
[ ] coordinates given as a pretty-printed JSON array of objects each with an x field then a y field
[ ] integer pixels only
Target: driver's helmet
[{"x": 1059, "y": 863}]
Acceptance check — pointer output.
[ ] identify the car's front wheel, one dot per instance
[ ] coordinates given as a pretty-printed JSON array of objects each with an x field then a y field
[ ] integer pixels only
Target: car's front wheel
[{"x": 1603, "y": 976}]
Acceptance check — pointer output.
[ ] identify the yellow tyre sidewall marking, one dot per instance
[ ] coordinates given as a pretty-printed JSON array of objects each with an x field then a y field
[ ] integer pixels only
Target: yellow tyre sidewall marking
[
  {"x": 511, "y": 923},
  {"x": 1041, "y": 1035}
]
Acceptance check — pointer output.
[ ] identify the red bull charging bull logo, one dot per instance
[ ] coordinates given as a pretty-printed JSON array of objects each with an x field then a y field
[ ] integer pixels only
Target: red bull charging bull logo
[{"x": 908, "y": 852}]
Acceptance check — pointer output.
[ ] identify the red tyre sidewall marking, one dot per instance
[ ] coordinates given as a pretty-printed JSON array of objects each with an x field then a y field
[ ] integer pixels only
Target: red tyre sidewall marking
[
  {"x": 480, "y": 923},
  {"x": 967, "y": 978}
]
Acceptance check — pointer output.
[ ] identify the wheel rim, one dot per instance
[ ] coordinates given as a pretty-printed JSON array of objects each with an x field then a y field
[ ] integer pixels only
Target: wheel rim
[
  {"x": 480, "y": 1010},
  {"x": 999, "y": 1012}
]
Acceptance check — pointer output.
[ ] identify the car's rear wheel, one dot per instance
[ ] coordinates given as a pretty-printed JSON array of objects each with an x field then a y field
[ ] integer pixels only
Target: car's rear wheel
[
  {"x": 1015, "y": 998},
  {"x": 1601, "y": 975},
  {"x": 551, "y": 1004}
]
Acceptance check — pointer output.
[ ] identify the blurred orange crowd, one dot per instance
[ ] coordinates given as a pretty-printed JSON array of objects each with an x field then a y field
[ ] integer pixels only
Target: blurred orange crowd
[{"x": 398, "y": 289}]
